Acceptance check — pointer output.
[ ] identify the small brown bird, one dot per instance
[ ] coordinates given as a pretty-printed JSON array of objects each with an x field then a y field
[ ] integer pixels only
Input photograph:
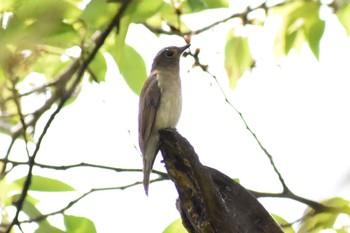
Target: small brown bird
[{"x": 160, "y": 104}]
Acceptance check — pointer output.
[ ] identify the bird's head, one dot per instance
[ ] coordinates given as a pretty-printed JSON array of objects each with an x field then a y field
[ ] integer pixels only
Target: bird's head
[{"x": 168, "y": 58}]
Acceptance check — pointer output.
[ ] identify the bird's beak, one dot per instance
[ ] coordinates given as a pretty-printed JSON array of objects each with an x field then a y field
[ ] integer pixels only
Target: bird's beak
[{"x": 184, "y": 48}]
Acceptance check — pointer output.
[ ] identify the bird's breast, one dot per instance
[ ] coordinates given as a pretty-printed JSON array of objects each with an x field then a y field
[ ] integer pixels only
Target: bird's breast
[{"x": 170, "y": 106}]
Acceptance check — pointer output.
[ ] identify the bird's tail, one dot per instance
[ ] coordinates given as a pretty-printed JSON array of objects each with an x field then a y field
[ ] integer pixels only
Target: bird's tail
[
  {"x": 147, "y": 168},
  {"x": 148, "y": 160}
]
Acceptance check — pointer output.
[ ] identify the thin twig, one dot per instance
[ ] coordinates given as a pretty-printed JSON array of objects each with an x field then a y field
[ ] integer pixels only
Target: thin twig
[
  {"x": 280, "y": 177},
  {"x": 61, "y": 82},
  {"x": 20, "y": 114},
  {"x": 75, "y": 201},
  {"x": 34, "y": 90},
  {"x": 318, "y": 207},
  {"x": 204, "y": 68},
  {"x": 4, "y": 167},
  {"x": 163, "y": 175}
]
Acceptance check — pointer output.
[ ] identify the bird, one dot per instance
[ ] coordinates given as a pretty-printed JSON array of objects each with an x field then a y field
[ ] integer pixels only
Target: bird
[{"x": 160, "y": 104}]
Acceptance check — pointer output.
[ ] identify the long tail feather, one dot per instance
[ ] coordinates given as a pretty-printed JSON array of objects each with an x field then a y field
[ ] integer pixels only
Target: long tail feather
[
  {"x": 147, "y": 168},
  {"x": 148, "y": 160}
]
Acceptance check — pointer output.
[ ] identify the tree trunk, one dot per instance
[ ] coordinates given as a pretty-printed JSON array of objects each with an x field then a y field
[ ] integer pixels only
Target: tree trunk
[{"x": 209, "y": 201}]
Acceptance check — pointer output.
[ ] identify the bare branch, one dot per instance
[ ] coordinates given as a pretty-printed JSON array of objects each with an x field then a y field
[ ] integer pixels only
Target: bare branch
[
  {"x": 4, "y": 167},
  {"x": 20, "y": 114},
  {"x": 318, "y": 207},
  {"x": 75, "y": 201},
  {"x": 162, "y": 175},
  {"x": 197, "y": 62}
]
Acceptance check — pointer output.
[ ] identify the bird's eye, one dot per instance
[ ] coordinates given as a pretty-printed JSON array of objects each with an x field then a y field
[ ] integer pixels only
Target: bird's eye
[{"x": 169, "y": 53}]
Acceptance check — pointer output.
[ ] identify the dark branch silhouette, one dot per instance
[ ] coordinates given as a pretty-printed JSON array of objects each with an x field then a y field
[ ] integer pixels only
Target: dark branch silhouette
[{"x": 209, "y": 201}]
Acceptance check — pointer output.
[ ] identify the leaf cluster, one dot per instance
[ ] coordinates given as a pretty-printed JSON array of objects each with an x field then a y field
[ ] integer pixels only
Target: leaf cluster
[{"x": 10, "y": 194}]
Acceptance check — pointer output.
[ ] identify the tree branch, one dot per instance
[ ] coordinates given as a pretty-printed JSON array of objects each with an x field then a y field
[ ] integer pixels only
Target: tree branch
[
  {"x": 80, "y": 73},
  {"x": 210, "y": 201},
  {"x": 75, "y": 201},
  {"x": 318, "y": 207},
  {"x": 162, "y": 175},
  {"x": 204, "y": 68},
  {"x": 16, "y": 97},
  {"x": 242, "y": 15},
  {"x": 4, "y": 166}
]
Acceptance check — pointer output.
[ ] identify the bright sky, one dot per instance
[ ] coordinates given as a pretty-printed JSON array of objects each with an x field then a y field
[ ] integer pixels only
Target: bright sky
[{"x": 297, "y": 107}]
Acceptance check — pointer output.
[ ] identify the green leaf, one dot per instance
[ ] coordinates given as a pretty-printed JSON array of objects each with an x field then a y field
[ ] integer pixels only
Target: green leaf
[
  {"x": 64, "y": 36},
  {"x": 5, "y": 55},
  {"x": 40, "y": 21},
  {"x": 120, "y": 37},
  {"x": 3, "y": 188},
  {"x": 14, "y": 34},
  {"x": 318, "y": 222},
  {"x": 325, "y": 220},
  {"x": 99, "y": 13},
  {"x": 301, "y": 22},
  {"x": 71, "y": 99},
  {"x": 344, "y": 17},
  {"x": 6, "y": 5},
  {"x": 34, "y": 10},
  {"x": 167, "y": 14},
  {"x": 75, "y": 224},
  {"x": 32, "y": 212},
  {"x": 197, "y": 5},
  {"x": 53, "y": 65},
  {"x": 98, "y": 67},
  {"x": 41, "y": 9},
  {"x": 29, "y": 206},
  {"x": 313, "y": 33},
  {"x": 2, "y": 78},
  {"x": 45, "y": 184},
  {"x": 342, "y": 230},
  {"x": 116, "y": 44},
  {"x": 141, "y": 10},
  {"x": 175, "y": 227},
  {"x": 338, "y": 202},
  {"x": 216, "y": 3},
  {"x": 237, "y": 57},
  {"x": 290, "y": 41},
  {"x": 282, "y": 221},
  {"x": 45, "y": 227},
  {"x": 131, "y": 65}
]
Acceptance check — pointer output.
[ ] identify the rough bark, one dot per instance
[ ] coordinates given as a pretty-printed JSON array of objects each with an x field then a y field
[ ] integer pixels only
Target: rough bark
[{"x": 209, "y": 201}]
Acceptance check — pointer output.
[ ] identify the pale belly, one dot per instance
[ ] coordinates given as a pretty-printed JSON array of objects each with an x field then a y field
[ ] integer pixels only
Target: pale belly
[{"x": 169, "y": 110}]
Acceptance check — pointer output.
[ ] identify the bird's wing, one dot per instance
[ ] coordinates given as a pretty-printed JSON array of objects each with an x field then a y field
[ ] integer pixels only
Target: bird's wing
[{"x": 148, "y": 106}]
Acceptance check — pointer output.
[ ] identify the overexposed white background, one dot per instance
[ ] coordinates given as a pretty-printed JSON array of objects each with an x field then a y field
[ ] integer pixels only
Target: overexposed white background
[{"x": 297, "y": 106}]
